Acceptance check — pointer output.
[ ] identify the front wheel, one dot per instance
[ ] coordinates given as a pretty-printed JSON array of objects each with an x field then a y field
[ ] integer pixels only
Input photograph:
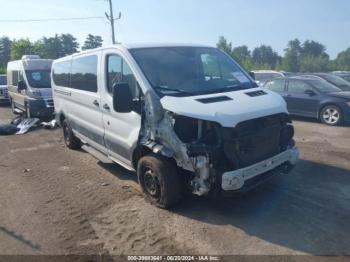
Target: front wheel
[
  {"x": 331, "y": 115},
  {"x": 159, "y": 180}
]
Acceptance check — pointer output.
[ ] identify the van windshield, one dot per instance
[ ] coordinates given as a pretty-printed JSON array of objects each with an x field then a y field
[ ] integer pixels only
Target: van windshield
[
  {"x": 39, "y": 78},
  {"x": 185, "y": 71}
]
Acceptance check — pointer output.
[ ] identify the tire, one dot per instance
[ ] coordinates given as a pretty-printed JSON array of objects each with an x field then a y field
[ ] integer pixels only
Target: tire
[
  {"x": 159, "y": 180},
  {"x": 71, "y": 141},
  {"x": 331, "y": 115}
]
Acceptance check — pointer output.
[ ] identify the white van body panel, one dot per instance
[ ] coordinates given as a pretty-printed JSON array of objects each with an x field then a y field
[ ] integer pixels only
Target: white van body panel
[{"x": 227, "y": 113}]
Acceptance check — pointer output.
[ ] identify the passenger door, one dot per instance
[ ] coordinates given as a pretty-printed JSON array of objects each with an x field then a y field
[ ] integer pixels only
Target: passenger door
[
  {"x": 83, "y": 101},
  {"x": 299, "y": 101},
  {"x": 121, "y": 129}
]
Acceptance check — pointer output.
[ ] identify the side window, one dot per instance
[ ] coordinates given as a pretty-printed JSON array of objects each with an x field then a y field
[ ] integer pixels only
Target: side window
[
  {"x": 128, "y": 77},
  {"x": 114, "y": 71},
  {"x": 118, "y": 71},
  {"x": 84, "y": 73},
  {"x": 276, "y": 85},
  {"x": 61, "y": 73},
  {"x": 299, "y": 87}
]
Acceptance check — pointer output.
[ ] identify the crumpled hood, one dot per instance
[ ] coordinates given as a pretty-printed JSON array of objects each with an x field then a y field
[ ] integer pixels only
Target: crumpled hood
[
  {"x": 344, "y": 94},
  {"x": 237, "y": 106}
]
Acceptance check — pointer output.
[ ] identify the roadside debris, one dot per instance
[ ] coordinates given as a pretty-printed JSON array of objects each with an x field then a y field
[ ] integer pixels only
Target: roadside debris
[
  {"x": 8, "y": 129},
  {"x": 49, "y": 125},
  {"x": 104, "y": 184},
  {"x": 26, "y": 170},
  {"x": 21, "y": 125},
  {"x": 26, "y": 124}
]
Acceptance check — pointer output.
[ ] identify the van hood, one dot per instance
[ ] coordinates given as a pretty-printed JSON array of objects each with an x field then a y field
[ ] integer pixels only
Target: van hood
[
  {"x": 345, "y": 94},
  {"x": 227, "y": 109}
]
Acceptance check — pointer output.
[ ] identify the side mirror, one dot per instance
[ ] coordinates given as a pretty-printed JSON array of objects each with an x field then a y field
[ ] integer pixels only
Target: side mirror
[
  {"x": 310, "y": 92},
  {"x": 252, "y": 75},
  {"x": 21, "y": 85},
  {"x": 122, "y": 98}
]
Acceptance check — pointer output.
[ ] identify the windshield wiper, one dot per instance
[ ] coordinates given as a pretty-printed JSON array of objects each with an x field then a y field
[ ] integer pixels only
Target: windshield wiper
[{"x": 173, "y": 90}]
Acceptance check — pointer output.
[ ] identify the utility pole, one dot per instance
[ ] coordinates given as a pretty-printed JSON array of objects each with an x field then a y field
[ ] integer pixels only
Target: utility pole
[{"x": 111, "y": 19}]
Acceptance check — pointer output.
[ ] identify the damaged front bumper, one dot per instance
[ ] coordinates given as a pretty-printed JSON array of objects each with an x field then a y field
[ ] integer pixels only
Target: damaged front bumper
[{"x": 235, "y": 180}]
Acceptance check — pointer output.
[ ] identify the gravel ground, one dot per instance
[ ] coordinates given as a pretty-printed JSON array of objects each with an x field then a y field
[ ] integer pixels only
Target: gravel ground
[{"x": 57, "y": 201}]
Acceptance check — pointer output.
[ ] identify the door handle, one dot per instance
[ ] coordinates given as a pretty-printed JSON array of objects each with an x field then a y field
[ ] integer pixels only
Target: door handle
[
  {"x": 96, "y": 103},
  {"x": 105, "y": 106}
]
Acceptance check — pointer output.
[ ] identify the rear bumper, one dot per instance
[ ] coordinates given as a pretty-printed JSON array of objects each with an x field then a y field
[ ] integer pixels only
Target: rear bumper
[{"x": 238, "y": 179}]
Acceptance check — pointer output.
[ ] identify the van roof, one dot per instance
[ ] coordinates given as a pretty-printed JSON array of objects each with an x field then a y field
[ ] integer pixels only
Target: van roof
[{"x": 131, "y": 46}]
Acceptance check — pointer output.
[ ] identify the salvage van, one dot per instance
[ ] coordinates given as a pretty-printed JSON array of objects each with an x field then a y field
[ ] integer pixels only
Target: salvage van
[
  {"x": 29, "y": 86},
  {"x": 183, "y": 117}
]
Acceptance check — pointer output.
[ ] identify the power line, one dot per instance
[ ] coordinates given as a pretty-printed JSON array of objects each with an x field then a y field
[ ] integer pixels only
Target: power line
[{"x": 49, "y": 19}]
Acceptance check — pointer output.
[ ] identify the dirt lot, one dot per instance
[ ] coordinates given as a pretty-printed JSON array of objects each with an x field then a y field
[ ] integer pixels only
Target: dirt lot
[{"x": 57, "y": 201}]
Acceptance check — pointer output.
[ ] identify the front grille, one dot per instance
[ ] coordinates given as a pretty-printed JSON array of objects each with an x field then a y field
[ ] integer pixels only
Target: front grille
[
  {"x": 253, "y": 141},
  {"x": 5, "y": 91}
]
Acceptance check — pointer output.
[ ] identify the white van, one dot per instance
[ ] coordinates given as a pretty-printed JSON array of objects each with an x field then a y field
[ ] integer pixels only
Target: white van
[
  {"x": 4, "y": 98},
  {"x": 182, "y": 116},
  {"x": 29, "y": 86}
]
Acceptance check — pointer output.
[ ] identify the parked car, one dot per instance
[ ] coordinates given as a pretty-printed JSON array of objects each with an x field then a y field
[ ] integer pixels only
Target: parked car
[
  {"x": 343, "y": 74},
  {"x": 29, "y": 86},
  {"x": 4, "y": 98},
  {"x": 262, "y": 76},
  {"x": 313, "y": 97},
  {"x": 174, "y": 116},
  {"x": 333, "y": 79}
]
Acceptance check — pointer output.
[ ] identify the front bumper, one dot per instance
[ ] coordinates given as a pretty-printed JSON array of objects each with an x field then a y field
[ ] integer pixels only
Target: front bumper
[
  {"x": 235, "y": 180},
  {"x": 41, "y": 107}
]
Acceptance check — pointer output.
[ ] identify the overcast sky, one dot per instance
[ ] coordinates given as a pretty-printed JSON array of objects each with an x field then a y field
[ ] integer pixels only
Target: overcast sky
[{"x": 254, "y": 22}]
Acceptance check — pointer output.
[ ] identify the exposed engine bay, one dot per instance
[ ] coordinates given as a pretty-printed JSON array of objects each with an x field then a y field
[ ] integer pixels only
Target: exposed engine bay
[{"x": 207, "y": 149}]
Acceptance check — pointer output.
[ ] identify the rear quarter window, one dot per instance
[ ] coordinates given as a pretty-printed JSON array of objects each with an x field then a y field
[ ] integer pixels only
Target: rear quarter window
[
  {"x": 84, "y": 73},
  {"x": 61, "y": 73}
]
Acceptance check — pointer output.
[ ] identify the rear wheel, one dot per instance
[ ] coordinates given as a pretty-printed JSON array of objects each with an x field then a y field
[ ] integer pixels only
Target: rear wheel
[
  {"x": 70, "y": 139},
  {"x": 331, "y": 115},
  {"x": 159, "y": 180}
]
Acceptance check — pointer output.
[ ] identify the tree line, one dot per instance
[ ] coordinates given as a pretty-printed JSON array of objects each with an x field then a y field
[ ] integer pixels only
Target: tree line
[
  {"x": 47, "y": 47},
  {"x": 309, "y": 56}
]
